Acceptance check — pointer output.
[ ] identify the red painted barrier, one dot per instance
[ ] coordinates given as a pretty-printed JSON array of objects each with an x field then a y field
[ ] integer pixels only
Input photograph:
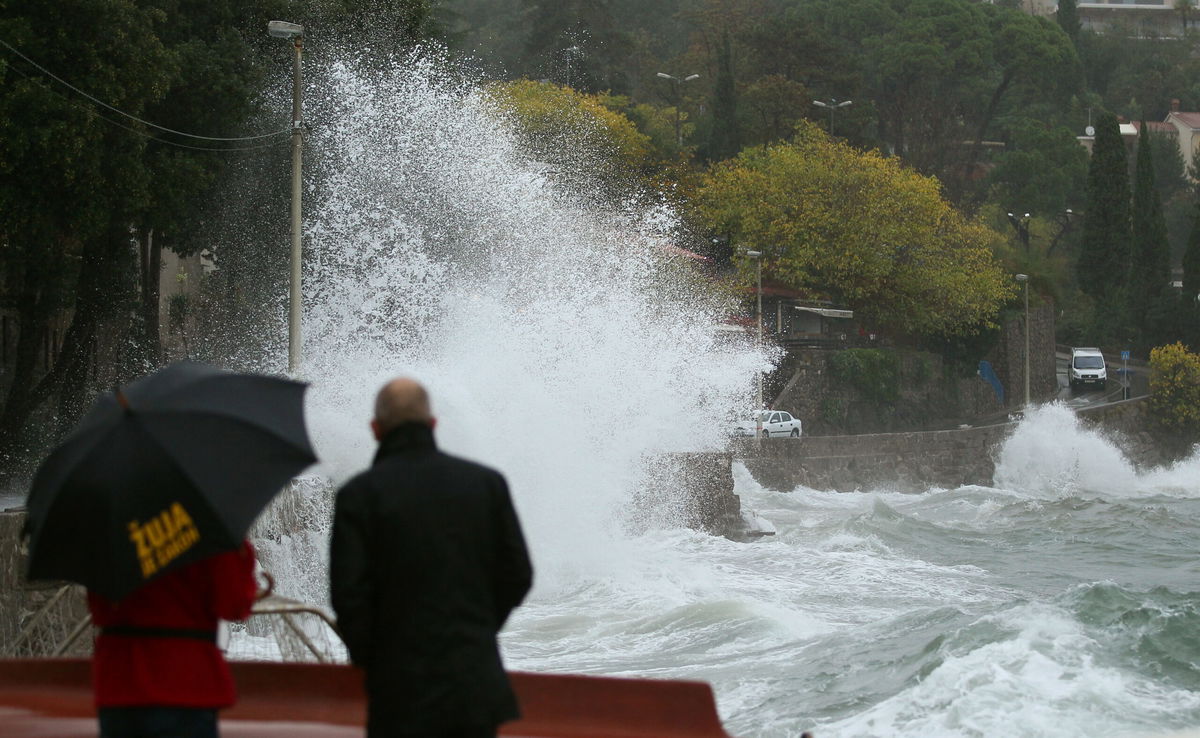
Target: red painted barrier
[{"x": 52, "y": 698}]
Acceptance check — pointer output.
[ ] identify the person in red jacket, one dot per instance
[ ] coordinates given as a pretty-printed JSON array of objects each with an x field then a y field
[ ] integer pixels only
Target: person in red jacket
[{"x": 156, "y": 670}]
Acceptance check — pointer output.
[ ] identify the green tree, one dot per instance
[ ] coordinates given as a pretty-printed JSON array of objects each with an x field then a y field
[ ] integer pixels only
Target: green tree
[
  {"x": 1150, "y": 265},
  {"x": 777, "y": 104},
  {"x": 1103, "y": 266},
  {"x": 861, "y": 227},
  {"x": 83, "y": 181},
  {"x": 1175, "y": 388},
  {"x": 556, "y": 121},
  {"x": 1042, "y": 172},
  {"x": 1191, "y": 261},
  {"x": 382, "y": 24},
  {"x": 1188, "y": 316},
  {"x": 577, "y": 43},
  {"x": 73, "y": 178},
  {"x": 1023, "y": 49},
  {"x": 1067, "y": 17},
  {"x": 726, "y": 138}
]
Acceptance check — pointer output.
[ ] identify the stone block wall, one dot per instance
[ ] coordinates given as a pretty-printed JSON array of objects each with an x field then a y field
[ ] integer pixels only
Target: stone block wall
[
  {"x": 907, "y": 462},
  {"x": 693, "y": 490},
  {"x": 1008, "y": 357},
  {"x": 930, "y": 395}
]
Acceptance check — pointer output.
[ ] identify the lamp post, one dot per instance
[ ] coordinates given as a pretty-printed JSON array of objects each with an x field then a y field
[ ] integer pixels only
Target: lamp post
[
  {"x": 1021, "y": 225},
  {"x": 832, "y": 105},
  {"x": 678, "y": 98},
  {"x": 1024, "y": 279},
  {"x": 757, "y": 256},
  {"x": 1065, "y": 221},
  {"x": 569, "y": 55},
  {"x": 294, "y": 32}
]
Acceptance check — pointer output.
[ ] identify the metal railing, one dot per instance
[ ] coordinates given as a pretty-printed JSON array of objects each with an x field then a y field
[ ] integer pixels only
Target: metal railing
[{"x": 53, "y": 630}]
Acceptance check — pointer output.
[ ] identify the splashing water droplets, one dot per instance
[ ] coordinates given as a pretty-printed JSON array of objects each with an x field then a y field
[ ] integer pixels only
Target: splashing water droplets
[{"x": 560, "y": 340}]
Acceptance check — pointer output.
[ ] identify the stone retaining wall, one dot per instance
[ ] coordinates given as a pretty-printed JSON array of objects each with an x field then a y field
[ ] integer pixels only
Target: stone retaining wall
[{"x": 898, "y": 461}]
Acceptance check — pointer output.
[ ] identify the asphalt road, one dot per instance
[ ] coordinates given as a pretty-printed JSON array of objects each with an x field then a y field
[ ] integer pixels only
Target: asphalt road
[{"x": 1136, "y": 372}]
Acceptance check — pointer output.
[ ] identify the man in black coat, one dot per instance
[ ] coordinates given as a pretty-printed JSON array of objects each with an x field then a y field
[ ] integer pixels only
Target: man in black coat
[{"x": 426, "y": 562}]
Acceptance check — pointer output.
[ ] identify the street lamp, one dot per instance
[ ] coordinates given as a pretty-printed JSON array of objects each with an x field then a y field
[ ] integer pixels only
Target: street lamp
[
  {"x": 294, "y": 32},
  {"x": 1024, "y": 279},
  {"x": 1065, "y": 220},
  {"x": 1021, "y": 224},
  {"x": 678, "y": 98},
  {"x": 570, "y": 53},
  {"x": 757, "y": 256},
  {"x": 833, "y": 105}
]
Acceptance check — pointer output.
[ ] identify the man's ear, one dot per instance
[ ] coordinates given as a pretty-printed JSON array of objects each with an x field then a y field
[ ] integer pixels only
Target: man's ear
[
  {"x": 432, "y": 423},
  {"x": 375, "y": 430}
]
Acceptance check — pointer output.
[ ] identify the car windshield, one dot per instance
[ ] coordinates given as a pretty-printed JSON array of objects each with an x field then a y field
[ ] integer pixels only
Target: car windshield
[
  {"x": 1089, "y": 362},
  {"x": 765, "y": 416}
]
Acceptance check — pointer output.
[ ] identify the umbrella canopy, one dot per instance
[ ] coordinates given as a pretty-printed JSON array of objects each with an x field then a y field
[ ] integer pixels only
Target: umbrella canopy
[{"x": 163, "y": 472}]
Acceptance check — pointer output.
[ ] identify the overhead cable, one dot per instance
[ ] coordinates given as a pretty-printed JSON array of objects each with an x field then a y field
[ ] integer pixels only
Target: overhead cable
[
  {"x": 156, "y": 139},
  {"x": 67, "y": 84}
]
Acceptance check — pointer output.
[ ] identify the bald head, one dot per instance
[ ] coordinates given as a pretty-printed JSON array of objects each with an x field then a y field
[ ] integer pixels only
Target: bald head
[{"x": 401, "y": 400}]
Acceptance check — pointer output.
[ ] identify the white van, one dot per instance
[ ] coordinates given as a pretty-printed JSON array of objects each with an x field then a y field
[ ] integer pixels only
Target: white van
[{"x": 1087, "y": 369}]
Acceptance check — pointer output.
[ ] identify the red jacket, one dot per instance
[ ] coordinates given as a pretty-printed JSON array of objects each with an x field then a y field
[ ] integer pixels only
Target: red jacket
[{"x": 130, "y": 670}]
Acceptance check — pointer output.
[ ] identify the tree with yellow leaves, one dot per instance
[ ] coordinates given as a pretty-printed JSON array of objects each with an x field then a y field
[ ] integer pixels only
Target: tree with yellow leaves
[
  {"x": 860, "y": 226},
  {"x": 557, "y": 124},
  {"x": 1175, "y": 388}
]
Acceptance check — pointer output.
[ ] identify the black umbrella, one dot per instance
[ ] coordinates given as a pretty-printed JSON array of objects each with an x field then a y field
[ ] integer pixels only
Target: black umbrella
[{"x": 170, "y": 469}]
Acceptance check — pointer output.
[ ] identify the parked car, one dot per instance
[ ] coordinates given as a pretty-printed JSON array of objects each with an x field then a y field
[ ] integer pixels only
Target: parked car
[
  {"x": 775, "y": 423},
  {"x": 1087, "y": 368}
]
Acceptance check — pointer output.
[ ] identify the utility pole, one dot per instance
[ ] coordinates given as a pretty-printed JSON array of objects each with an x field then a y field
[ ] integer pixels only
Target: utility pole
[
  {"x": 294, "y": 32},
  {"x": 1024, "y": 279},
  {"x": 758, "y": 413}
]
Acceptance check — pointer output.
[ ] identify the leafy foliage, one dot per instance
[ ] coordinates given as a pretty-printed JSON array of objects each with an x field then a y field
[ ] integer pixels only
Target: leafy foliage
[
  {"x": 1191, "y": 260},
  {"x": 1150, "y": 266},
  {"x": 726, "y": 137},
  {"x": 1175, "y": 387},
  {"x": 874, "y": 372},
  {"x": 555, "y": 119},
  {"x": 881, "y": 237},
  {"x": 1042, "y": 170},
  {"x": 1103, "y": 267},
  {"x": 1067, "y": 17}
]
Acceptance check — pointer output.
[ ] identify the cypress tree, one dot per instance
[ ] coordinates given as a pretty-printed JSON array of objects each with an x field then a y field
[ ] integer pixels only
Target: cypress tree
[
  {"x": 1191, "y": 261},
  {"x": 1150, "y": 265},
  {"x": 1068, "y": 19},
  {"x": 1103, "y": 266},
  {"x": 726, "y": 139},
  {"x": 1188, "y": 316}
]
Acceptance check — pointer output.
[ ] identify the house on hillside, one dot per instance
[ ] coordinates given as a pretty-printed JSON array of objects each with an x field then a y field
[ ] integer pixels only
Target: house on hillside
[
  {"x": 1181, "y": 126},
  {"x": 796, "y": 318},
  {"x": 1186, "y": 127},
  {"x": 1140, "y": 18}
]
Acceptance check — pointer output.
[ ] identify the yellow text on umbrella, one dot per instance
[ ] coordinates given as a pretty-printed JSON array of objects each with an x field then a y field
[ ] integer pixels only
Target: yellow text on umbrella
[{"x": 163, "y": 538}]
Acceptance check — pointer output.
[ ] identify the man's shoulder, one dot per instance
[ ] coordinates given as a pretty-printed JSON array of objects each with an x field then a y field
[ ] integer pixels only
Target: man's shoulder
[
  {"x": 389, "y": 468},
  {"x": 468, "y": 465}
]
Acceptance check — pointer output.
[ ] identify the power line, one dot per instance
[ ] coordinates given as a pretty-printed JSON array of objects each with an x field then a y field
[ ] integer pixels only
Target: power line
[
  {"x": 100, "y": 102},
  {"x": 156, "y": 139}
]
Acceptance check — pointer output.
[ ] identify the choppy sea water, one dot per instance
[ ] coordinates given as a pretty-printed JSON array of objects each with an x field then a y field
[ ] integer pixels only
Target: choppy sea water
[
  {"x": 1054, "y": 603},
  {"x": 564, "y": 344}
]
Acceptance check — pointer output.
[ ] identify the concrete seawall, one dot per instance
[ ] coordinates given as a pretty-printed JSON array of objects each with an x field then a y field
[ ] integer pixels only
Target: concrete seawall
[{"x": 899, "y": 461}]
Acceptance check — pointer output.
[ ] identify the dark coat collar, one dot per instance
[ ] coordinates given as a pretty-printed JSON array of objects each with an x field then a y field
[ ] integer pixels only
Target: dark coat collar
[{"x": 406, "y": 437}]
